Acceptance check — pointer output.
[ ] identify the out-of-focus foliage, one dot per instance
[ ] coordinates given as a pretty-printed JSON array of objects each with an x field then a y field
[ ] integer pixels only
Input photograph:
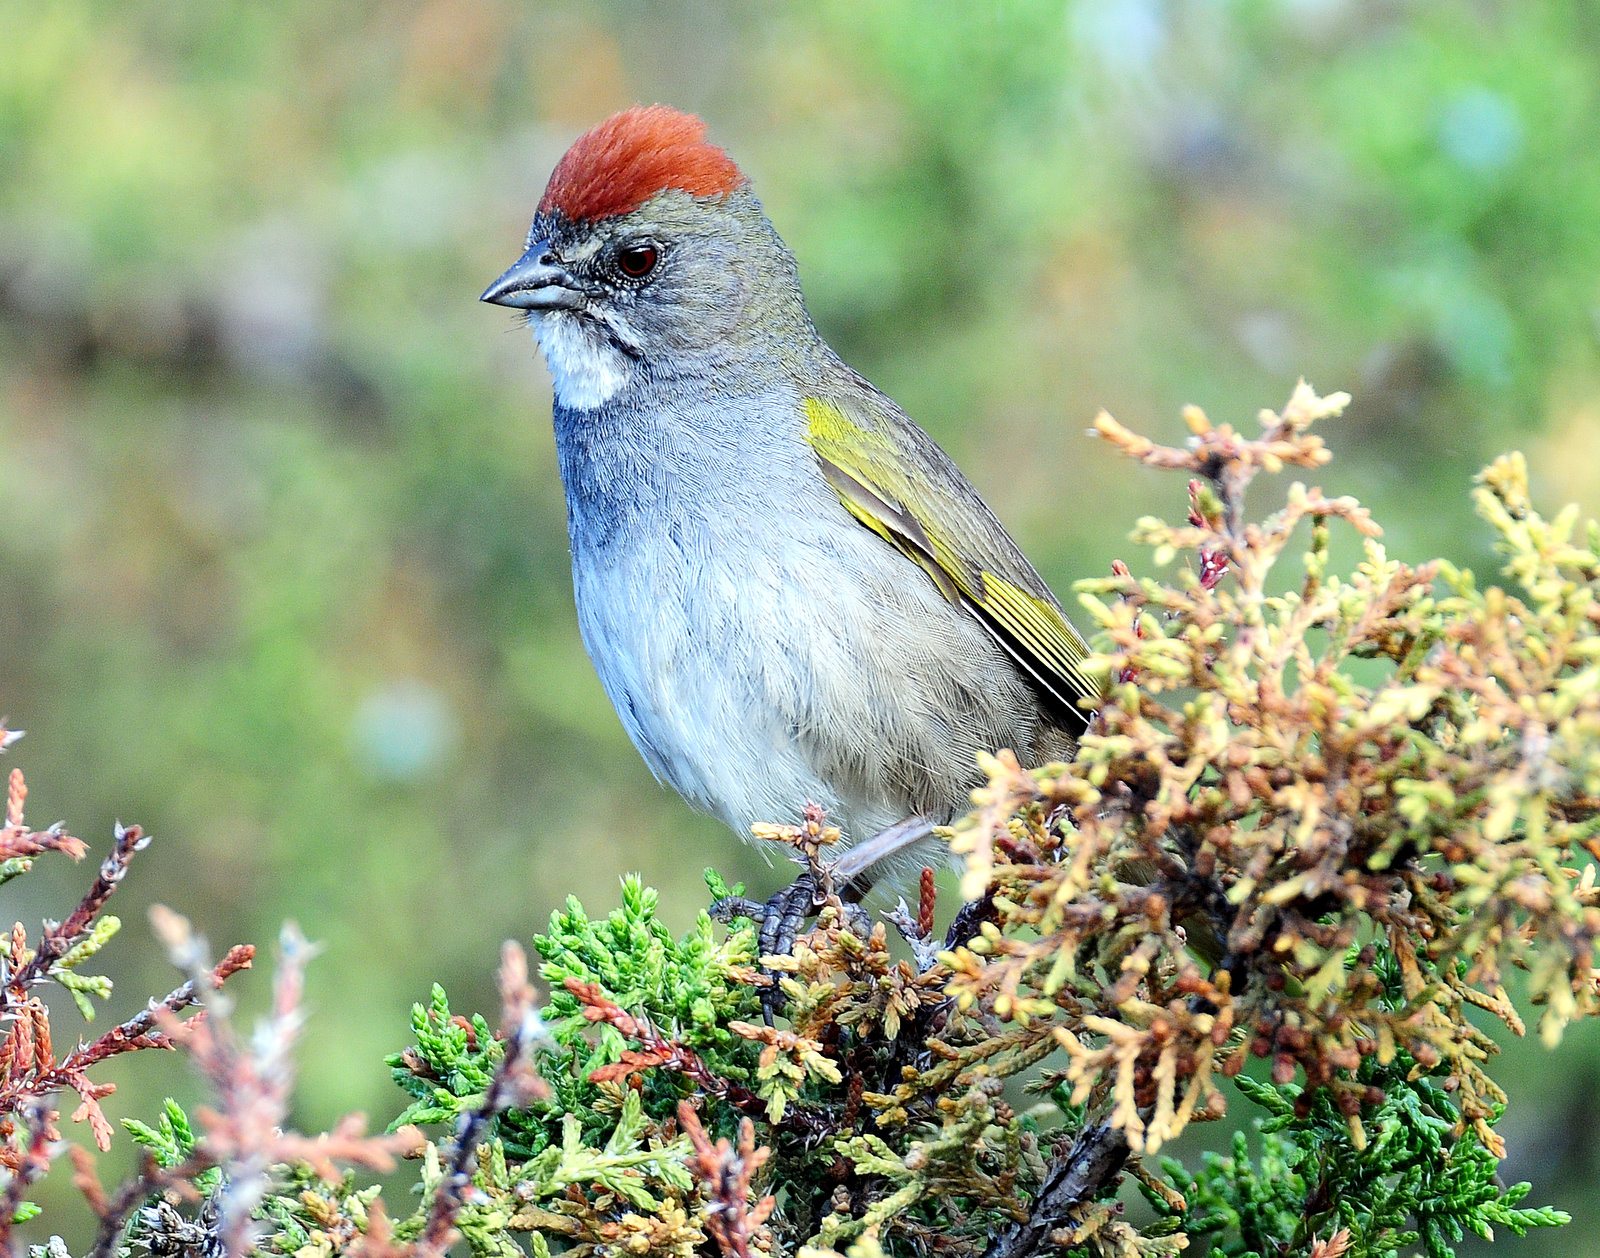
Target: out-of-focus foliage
[
  {"x": 282, "y": 564},
  {"x": 244, "y": 1139},
  {"x": 39, "y": 1066}
]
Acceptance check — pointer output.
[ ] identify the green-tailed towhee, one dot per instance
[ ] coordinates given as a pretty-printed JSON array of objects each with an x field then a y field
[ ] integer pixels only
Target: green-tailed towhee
[{"x": 790, "y": 592}]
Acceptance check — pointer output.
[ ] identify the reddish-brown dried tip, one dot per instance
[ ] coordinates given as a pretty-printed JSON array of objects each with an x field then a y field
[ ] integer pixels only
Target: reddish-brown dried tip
[{"x": 616, "y": 167}]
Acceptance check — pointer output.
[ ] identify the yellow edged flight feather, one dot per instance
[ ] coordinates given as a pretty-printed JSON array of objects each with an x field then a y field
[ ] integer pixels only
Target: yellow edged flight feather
[{"x": 940, "y": 523}]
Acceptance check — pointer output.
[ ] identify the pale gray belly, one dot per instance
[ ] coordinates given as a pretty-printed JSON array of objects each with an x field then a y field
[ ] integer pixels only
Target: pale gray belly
[{"x": 763, "y": 667}]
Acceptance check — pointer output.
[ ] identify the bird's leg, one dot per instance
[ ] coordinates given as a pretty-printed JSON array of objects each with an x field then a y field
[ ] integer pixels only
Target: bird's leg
[
  {"x": 785, "y": 913},
  {"x": 850, "y": 871},
  {"x": 780, "y": 918},
  {"x": 849, "y": 878}
]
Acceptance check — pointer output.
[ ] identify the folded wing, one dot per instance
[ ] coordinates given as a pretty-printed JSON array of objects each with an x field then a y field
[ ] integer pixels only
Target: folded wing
[{"x": 897, "y": 481}]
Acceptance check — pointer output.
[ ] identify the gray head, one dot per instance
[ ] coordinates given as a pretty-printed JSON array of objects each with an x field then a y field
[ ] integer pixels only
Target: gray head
[{"x": 649, "y": 257}]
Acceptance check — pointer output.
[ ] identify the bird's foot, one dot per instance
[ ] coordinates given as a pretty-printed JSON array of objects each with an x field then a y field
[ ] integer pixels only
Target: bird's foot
[
  {"x": 781, "y": 919},
  {"x": 843, "y": 882}
]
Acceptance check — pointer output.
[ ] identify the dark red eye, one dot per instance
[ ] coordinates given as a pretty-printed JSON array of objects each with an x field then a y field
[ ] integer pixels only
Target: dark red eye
[{"x": 637, "y": 261}]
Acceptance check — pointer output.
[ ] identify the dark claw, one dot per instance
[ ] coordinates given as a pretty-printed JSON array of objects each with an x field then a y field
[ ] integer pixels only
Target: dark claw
[
  {"x": 857, "y": 919},
  {"x": 782, "y": 919},
  {"x": 732, "y": 907},
  {"x": 784, "y": 914}
]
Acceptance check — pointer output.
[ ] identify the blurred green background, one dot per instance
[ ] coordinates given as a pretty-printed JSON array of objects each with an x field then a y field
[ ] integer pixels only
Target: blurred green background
[{"x": 283, "y": 568}]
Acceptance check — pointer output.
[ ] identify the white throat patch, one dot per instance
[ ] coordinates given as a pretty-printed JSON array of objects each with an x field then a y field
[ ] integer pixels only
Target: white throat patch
[{"x": 586, "y": 368}]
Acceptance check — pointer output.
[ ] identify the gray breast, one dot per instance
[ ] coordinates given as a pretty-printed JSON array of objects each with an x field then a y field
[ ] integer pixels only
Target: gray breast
[{"x": 763, "y": 649}]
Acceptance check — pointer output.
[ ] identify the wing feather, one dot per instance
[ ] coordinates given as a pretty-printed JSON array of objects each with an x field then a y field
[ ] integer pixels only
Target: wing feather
[{"x": 938, "y": 520}]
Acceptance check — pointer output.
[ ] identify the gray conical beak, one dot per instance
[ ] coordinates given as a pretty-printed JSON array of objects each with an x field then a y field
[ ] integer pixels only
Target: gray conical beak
[{"x": 535, "y": 282}]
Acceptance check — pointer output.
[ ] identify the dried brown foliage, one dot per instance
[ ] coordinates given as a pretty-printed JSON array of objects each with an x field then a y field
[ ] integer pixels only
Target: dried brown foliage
[
  {"x": 726, "y": 1173},
  {"x": 243, "y": 1132},
  {"x": 1242, "y": 781}
]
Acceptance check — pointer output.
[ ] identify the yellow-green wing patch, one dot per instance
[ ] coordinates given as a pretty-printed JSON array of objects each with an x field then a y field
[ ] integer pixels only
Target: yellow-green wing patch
[
  {"x": 889, "y": 521},
  {"x": 1044, "y": 634},
  {"x": 940, "y": 523}
]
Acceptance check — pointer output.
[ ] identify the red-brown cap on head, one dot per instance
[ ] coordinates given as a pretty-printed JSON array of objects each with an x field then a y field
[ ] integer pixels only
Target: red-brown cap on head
[{"x": 616, "y": 167}]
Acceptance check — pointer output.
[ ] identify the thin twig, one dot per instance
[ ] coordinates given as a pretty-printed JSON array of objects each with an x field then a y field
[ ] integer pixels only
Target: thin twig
[
  {"x": 513, "y": 1083},
  {"x": 58, "y": 940},
  {"x": 38, "y": 1120},
  {"x": 143, "y": 1029}
]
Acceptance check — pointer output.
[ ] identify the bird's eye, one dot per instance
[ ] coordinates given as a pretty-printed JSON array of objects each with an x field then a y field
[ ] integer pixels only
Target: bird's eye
[{"x": 637, "y": 261}]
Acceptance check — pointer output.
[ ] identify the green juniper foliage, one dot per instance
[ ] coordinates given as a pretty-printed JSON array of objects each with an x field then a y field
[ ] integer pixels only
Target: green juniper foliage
[
  {"x": 1415, "y": 1182},
  {"x": 690, "y": 988},
  {"x": 615, "y": 1141},
  {"x": 309, "y": 1217},
  {"x": 171, "y": 1141}
]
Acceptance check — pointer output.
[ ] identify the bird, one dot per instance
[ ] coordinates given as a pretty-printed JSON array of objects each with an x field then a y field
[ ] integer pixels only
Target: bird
[{"x": 793, "y": 597}]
